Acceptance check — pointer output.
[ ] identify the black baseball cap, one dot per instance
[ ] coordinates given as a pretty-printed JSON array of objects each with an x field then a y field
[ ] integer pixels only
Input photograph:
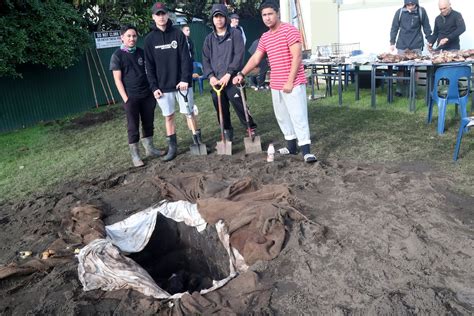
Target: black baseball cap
[{"x": 159, "y": 7}]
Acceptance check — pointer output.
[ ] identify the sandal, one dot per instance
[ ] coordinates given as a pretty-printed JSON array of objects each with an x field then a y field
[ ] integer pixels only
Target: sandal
[{"x": 310, "y": 158}]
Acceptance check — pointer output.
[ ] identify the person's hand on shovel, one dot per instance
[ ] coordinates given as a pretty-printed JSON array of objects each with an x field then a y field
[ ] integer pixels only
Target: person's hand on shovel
[
  {"x": 182, "y": 86},
  {"x": 224, "y": 80},
  {"x": 214, "y": 81},
  {"x": 238, "y": 79}
]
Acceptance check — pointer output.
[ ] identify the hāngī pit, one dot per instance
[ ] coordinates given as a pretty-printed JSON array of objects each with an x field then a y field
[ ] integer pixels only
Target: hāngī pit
[{"x": 181, "y": 259}]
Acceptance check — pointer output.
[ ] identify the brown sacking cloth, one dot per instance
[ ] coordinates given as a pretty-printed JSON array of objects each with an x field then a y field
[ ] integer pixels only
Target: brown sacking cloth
[
  {"x": 84, "y": 225},
  {"x": 255, "y": 217},
  {"x": 245, "y": 294}
]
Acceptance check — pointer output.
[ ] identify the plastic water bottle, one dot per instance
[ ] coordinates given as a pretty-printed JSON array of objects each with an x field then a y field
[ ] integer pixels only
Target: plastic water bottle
[{"x": 270, "y": 153}]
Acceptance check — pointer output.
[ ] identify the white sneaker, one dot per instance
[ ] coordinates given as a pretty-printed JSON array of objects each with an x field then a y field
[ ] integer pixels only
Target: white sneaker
[{"x": 310, "y": 158}]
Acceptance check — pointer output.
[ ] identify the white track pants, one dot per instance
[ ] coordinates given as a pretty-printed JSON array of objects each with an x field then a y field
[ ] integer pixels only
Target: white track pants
[{"x": 291, "y": 112}]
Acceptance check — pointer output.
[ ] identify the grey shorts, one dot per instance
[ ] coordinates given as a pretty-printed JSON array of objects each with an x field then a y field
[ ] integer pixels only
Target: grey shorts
[{"x": 167, "y": 102}]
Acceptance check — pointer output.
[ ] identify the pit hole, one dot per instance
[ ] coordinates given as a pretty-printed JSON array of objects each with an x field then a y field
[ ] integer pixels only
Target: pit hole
[{"x": 181, "y": 259}]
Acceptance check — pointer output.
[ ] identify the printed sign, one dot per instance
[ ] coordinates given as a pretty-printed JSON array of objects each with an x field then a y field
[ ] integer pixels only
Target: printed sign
[{"x": 107, "y": 39}]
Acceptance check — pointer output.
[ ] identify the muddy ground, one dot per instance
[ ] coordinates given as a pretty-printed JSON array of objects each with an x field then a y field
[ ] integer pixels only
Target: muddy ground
[{"x": 383, "y": 239}]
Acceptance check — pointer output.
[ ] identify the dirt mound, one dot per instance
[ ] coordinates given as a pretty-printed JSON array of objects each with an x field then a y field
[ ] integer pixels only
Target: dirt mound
[{"x": 379, "y": 240}]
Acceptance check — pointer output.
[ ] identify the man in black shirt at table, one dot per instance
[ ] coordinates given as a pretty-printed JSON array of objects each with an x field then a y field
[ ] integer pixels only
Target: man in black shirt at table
[{"x": 449, "y": 25}]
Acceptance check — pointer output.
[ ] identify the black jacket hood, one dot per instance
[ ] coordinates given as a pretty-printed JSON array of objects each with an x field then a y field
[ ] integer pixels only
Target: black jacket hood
[
  {"x": 222, "y": 9},
  {"x": 411, "y": 1}
]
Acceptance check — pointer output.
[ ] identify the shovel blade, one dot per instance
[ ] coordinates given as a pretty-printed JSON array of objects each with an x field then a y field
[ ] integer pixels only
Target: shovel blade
[
  {"x": 252, "y": 146},
  {"x": 224, "y": 148},
  {"x": 198, "y": 149}
]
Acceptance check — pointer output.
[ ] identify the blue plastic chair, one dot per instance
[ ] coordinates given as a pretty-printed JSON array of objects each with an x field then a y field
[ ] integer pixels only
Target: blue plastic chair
[
  {"x": 197, "y": 69},
  {"x": 466, "y": 123},
  {"x": 452, "y": 74}
]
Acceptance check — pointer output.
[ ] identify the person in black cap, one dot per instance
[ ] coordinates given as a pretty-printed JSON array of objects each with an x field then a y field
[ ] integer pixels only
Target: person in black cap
[
  {"x": 234, "y": 22},
  {"x": 169, "y": 68},
  {"x": 222, "y": 58},
  {"x": 128, "y": 68}
]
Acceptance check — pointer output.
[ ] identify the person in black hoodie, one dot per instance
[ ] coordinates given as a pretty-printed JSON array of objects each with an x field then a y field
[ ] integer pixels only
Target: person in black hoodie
[
  {"x": 406, "y": 27},
  {"x": 222, "y": 58},
  {"x": 128, "y": 68},
  {"x": 449, "y": 25},
  {"x": 169, "y": 69}
]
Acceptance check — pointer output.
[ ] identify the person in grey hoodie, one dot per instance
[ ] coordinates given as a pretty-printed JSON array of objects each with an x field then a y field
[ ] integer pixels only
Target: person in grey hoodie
[
  {"x": 406, "y": 27},
  {"x": 169, "y": 69},
  {"x": 222, "y": 58}
]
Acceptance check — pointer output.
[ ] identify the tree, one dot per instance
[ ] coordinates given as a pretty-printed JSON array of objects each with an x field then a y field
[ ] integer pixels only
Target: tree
[{"x": 49, "y": 33}]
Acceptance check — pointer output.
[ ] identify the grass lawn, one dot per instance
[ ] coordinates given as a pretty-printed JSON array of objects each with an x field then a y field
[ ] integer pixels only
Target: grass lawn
[{"x": 34, "y": 160}]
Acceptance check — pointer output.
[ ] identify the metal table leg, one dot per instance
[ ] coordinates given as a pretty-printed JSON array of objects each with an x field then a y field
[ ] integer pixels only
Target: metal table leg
[
  {"x": 372, "y": 86},
  {"x": 428, "y": 86},
  {"x": 412, "y": 89},
  {"x": 356, "y": 81},
  {"x": 339, "y": 88},
  {"x": 390, "y": 84}
]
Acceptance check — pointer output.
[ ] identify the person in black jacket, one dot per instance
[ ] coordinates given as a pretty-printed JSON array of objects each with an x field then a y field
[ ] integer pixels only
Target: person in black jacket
[
  {"x": 449, "y": 25},
  {"x": 406, "y": 27},
  {"x": 187, "y": 32},
  {"x": 222, "y": 58},
  {"x": 169, "y": 68},
  {"x": 405, "y": 33},
  {"x": 128, "y": 67}
]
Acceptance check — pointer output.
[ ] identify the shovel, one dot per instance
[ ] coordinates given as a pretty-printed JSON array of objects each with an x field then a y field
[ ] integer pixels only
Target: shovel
[
  {"x": 197, "y": 148},
  {"x": 252, "y": 143},
  {"x": 224, "y": 147}
]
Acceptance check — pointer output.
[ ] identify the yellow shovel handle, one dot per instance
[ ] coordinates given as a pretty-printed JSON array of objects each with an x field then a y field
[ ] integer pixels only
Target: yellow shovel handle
[{"x": 218, "y": 91}]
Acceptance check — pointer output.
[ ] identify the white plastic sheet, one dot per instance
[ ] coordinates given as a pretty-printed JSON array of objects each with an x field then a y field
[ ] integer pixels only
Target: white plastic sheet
[
  {"x": 103, "y": 266},
  {"x": 133, "y": 233}
]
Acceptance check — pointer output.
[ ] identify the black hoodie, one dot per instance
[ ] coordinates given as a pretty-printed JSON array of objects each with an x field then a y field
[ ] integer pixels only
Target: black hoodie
[
  {"x": 167, "y": 58},
  {"x": 222, "y": 54}
]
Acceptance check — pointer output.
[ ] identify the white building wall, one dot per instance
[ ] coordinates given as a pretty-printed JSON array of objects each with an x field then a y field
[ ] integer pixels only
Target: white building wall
[{"x": 369, "y": 22}]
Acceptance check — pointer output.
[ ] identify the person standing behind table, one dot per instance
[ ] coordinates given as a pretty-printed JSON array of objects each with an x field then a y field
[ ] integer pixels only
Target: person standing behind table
[
  {"x": 128, "y": 68},
  {"x": 234, "y": 22},
  {"x": 222, "y": 57},
  {"x": 405, "y": 33},
  {"x": 169, "y": 68},
  {"x": 449, "y": 25},
  {"x": 406, "y": 27},
  {"x": 282, "y": 44}
]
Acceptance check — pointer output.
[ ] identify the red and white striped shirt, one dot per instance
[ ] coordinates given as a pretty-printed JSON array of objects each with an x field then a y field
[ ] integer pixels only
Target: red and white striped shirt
[{"x": 277, "y": 46}]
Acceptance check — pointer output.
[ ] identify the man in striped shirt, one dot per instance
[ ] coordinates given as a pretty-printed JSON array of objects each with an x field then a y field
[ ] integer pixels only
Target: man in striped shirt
[{"x": 282, "y": 44}]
